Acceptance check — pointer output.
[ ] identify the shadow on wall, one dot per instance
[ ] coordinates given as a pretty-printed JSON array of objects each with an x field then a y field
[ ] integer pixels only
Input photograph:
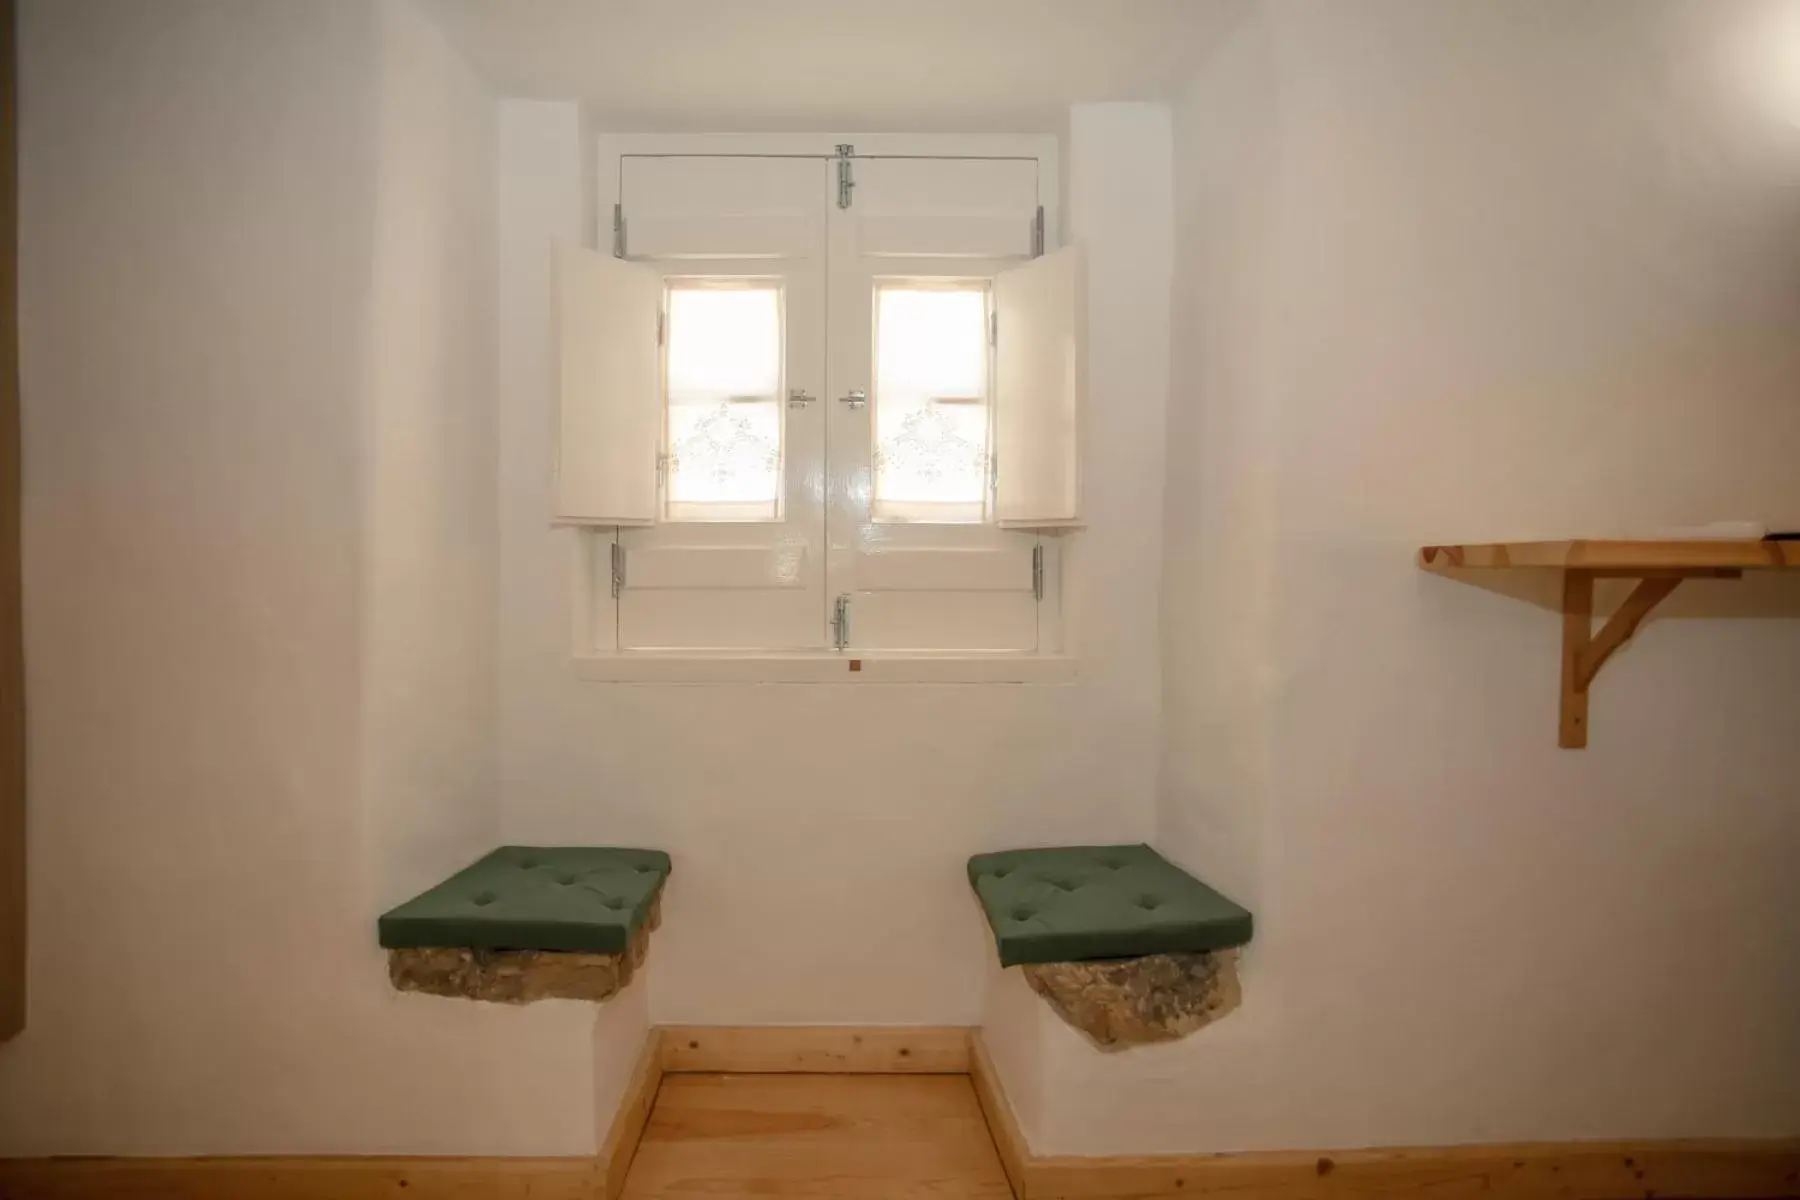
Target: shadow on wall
[{"x": 1758, "y": 595}]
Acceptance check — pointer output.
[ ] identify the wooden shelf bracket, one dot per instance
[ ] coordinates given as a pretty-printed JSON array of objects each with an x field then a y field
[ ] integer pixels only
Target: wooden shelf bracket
[
  {"x": 1658, "y": 567},
  {"x": 1585, "y": 652}
]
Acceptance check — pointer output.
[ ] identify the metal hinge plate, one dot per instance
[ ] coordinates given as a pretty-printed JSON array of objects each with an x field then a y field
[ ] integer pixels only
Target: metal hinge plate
[
  {"x": 1037, "y": 571},
  {"x": 1037, "y": 233},
  {"x": 618, "y": 567},
  {"x": 846, "y": 182},
  {"x": 618, "y": 231},
  {"x": 840, "y": 622}
]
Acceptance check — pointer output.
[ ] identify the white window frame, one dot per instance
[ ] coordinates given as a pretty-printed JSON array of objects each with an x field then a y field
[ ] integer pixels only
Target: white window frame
[{"x": 593, "y": 545}]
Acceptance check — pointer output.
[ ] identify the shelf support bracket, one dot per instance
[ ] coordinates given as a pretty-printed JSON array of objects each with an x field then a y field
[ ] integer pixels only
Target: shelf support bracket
[
  {"x": 1585, "y": 652},
  {"x": 1657, "y": 565}
]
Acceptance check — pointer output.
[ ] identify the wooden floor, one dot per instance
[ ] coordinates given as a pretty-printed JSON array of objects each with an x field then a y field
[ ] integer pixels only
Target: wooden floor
[{"x": 723, "y": 1137}]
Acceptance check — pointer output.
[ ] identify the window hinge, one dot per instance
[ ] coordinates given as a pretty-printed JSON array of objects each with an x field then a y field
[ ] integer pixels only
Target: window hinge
[
  {"x": 993, "y": 472},
  {"x": 1037, "y": 571},
  {"x": 993, "y": 329},
  {"x": 618, "y": 566},
  {"x": 845, "y": 152},
  {"x": 618, "y": 231},
  {"x": 840, "y": 622},
  {"x": 662, "y": 327},
  {"x": 1037, "y": 233}
]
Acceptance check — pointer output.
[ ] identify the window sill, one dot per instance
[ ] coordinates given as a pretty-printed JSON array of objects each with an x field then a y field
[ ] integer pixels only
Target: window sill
[{"x": 663, "y": 666}]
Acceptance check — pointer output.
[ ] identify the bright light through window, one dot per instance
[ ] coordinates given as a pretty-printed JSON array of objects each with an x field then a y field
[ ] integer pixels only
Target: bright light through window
[
  {"x": 724, "y": 410},
  {"x": 931, "y": 403}
]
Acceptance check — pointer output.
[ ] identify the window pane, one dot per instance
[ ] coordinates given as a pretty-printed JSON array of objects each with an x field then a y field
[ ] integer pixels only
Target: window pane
[
  {"x": 931, "y": 404},
  {"x": 724, "y": 380}
]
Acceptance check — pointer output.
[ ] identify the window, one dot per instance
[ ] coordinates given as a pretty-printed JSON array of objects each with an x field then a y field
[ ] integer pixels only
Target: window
[
  {"x": 931, "y": 402},
  {"x": 860, "y": 420},
  {"x": 722, "y": 379}
]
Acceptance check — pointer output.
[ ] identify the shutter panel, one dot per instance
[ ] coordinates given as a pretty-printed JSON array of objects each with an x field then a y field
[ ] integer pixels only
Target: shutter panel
[
  {"x": 609, "y": 426},
  {"x": 1039, "y": 381}
]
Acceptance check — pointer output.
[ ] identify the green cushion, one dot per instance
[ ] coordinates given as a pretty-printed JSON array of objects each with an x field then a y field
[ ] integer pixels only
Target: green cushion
[
  {"x": 585, "y": 898},
  {"x": 1070, "y": 903}
]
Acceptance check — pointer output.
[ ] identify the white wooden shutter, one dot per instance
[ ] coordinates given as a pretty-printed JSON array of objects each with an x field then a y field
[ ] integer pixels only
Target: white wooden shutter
[
  {"x": 609, "y": 429},
  {"x": 1039, "y": 381}
]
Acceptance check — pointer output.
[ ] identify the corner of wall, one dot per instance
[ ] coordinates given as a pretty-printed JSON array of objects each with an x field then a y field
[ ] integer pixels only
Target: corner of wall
[
  {"x": 1118, "y": 205},
  {"x": 621, "y": 1026},
  {"x": 430, "y": 528},
  {"x": 1218, "y": 679},
  {"x": 541, "y": 202},
  {"x": 1010, "y": 1032}
]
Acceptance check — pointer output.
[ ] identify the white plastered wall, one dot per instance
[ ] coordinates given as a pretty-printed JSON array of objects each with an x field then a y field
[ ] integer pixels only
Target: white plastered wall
[
  {"x": 1473, "y": 272},
  {"x": 820, "y": 832},
  {"x": 256, "y": 280}
]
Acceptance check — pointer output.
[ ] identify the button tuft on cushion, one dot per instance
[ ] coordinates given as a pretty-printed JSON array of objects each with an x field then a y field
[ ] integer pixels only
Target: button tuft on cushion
[
  {"x": 572, "y": 899},
  {"x": 1074, "y": 903}
]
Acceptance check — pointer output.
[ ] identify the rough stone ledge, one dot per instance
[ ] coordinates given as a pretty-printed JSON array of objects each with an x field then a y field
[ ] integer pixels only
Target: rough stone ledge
[
  {"x": 519, "y": 976},
  {"x": 1124, "y": 1002}
]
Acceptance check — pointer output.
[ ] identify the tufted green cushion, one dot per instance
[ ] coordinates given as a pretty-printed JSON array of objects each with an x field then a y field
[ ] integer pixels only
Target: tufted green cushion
[
  {"x": 586, "y": 898},
  {"x": 1071, "y": 903}
]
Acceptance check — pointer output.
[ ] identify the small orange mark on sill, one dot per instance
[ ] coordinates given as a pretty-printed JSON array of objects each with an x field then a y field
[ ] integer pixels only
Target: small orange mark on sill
[{"x": 856, "y": 664}]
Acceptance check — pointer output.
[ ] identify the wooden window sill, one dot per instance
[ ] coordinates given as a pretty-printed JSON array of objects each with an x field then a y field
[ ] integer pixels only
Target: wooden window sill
[{"x": 826, "y": 666}]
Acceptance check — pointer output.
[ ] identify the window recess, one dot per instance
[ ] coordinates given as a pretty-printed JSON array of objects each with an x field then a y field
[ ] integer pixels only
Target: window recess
[{"x": 799, "y": 429}]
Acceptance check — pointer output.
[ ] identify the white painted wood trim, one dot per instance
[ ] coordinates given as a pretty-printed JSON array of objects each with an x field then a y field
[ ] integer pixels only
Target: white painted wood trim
[
  {"x": 654, "y": 666},
  {"x": 1045, "y": 148},
  {"x": 608, "y": 389},
  {"x": 1041, "y": 146},
  {"x": 596, "y": 656},
  {"x": 1046, "y": 527},
  {"x": 1040, "y": 386}
]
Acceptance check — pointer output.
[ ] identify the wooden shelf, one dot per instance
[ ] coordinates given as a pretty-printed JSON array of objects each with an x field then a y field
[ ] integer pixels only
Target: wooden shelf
[
  {"x": 1658, "y": 566},
  {"x": 1739, "y": 555}
]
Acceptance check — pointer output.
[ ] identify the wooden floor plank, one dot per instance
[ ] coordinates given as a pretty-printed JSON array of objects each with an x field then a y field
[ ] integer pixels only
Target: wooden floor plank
[
  {"x": 728, "y": 1137},
  {"x": 818, "y": 1049}
]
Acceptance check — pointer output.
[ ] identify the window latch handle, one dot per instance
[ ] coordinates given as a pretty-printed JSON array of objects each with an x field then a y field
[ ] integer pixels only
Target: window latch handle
[
  {"x": 799, "y": 397},
  {"x": 856, "y": 398}
]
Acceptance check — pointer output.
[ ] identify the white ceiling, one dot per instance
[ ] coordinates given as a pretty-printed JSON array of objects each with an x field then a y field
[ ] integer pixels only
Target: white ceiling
[{"x": 834, "y": 65}]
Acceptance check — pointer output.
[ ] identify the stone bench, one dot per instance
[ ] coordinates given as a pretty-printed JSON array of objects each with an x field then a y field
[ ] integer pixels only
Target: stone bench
[
  {"x": 529, "y": 923},
  {"x": 1124, "y": 945}
]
